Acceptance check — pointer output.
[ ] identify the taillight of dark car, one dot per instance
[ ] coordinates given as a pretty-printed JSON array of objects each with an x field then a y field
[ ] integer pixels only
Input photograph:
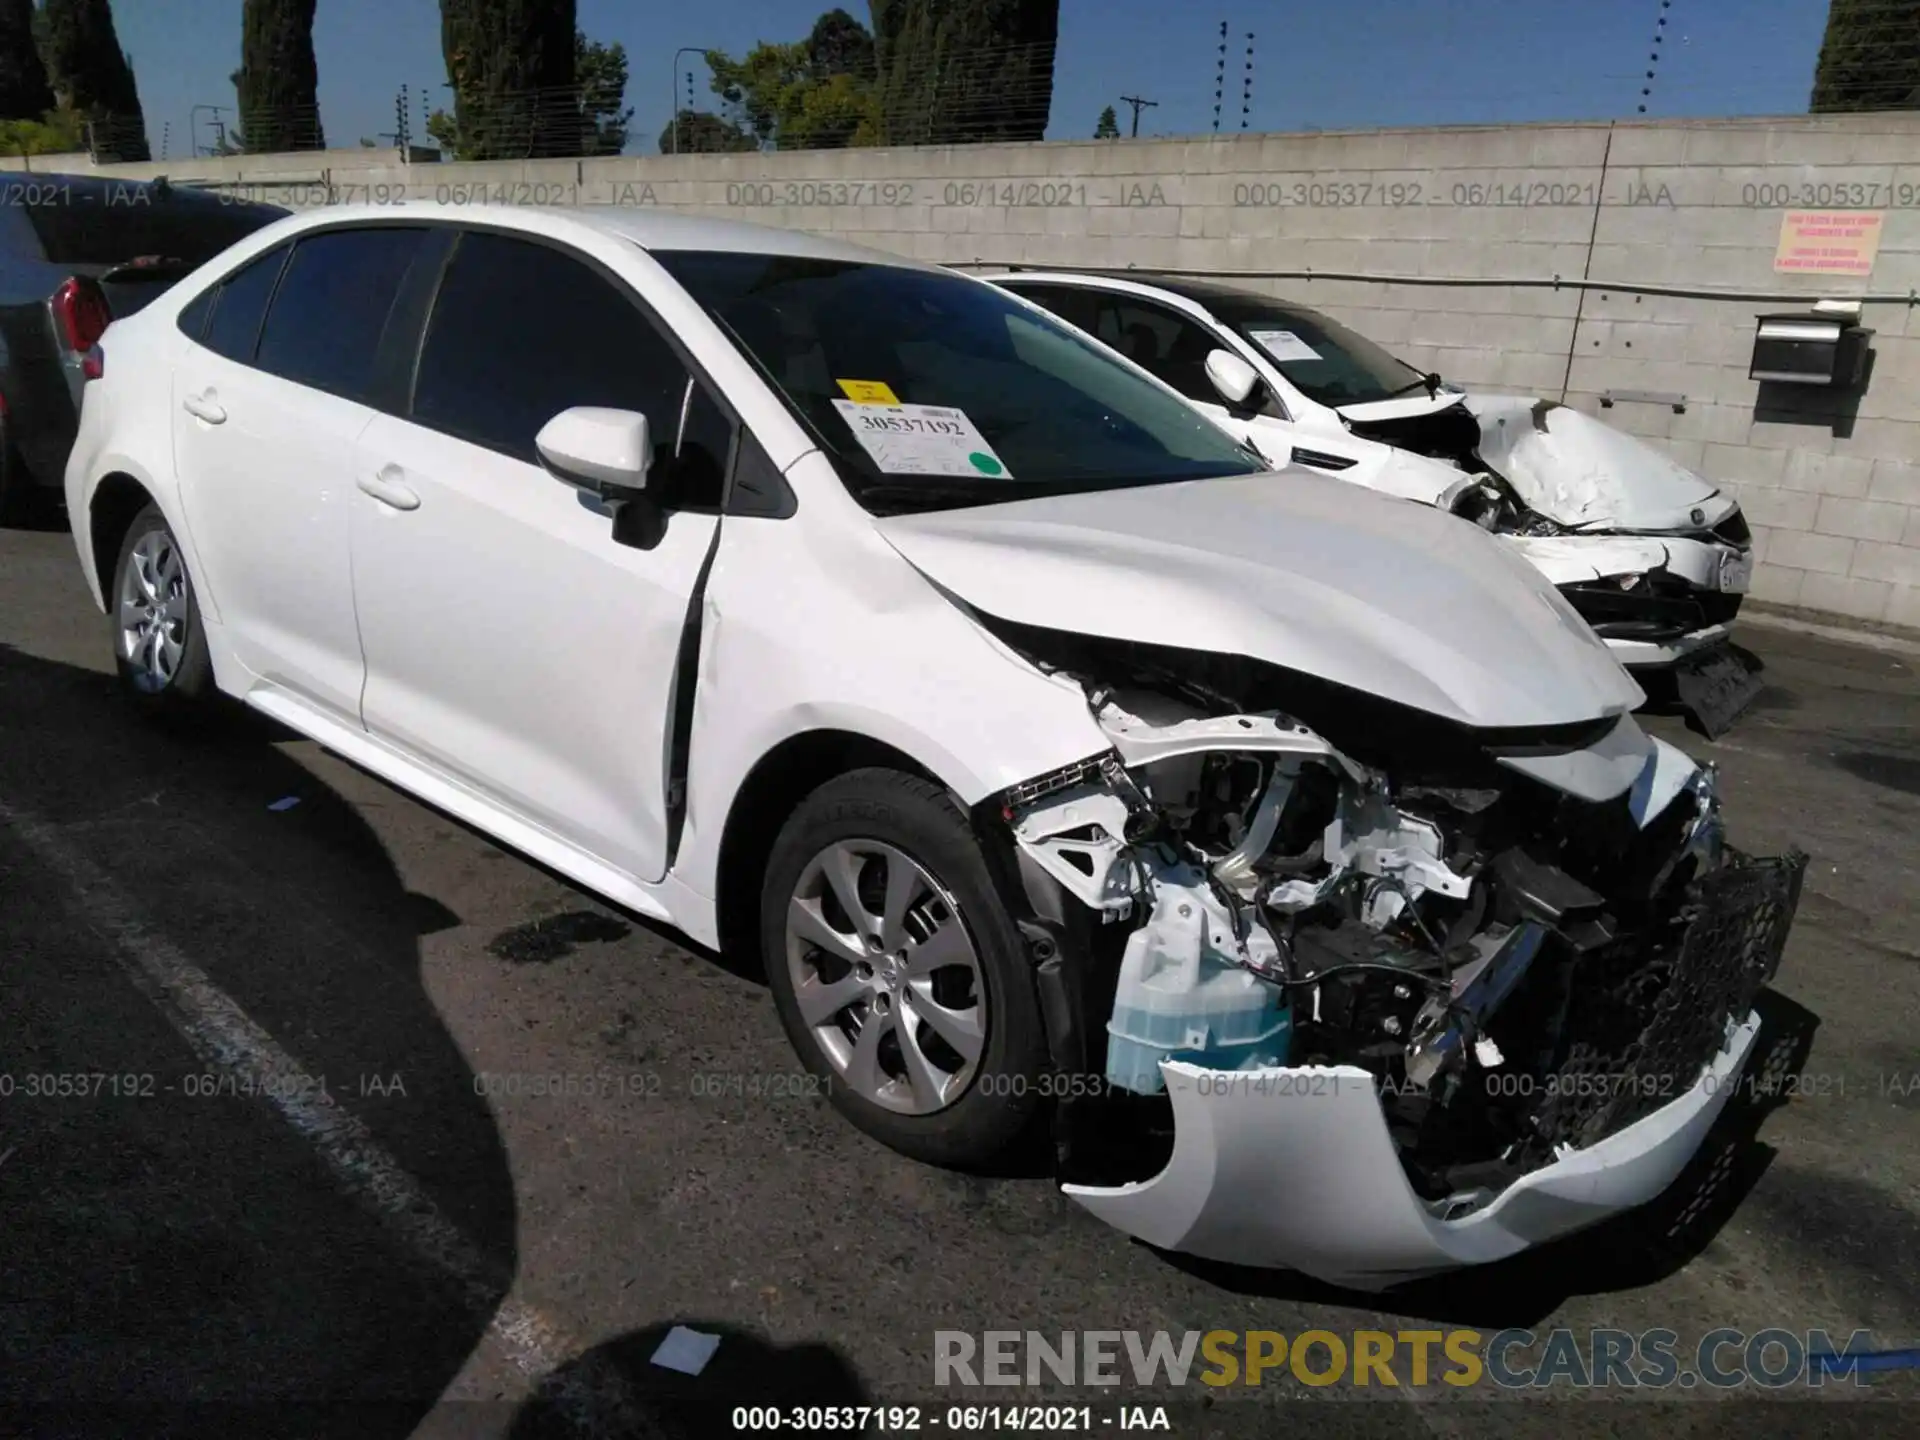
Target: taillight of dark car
[{"x": 81, "y": 313}]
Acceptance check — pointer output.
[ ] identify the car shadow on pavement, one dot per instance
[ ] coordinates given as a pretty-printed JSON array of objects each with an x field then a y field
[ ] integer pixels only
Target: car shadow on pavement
[
  {"x": 1629, "y": 1252},
  {"x": 180, "y": 1234},
  {"x": 639, "y": 1384}
]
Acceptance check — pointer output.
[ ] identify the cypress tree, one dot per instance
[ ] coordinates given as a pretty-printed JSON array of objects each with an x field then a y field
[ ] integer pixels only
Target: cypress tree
[
  {"x": 279, "y": 82},
  {"x": 92, "y": 75},
  {"x": 512, "y": 67},
  {"x": 965, "y": 71},
  {"x": 24, "y": 92},
  {"x": 1869, "y": 57}
]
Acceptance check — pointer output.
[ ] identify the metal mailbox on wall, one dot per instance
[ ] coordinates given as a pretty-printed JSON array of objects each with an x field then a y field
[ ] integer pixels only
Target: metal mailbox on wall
[{"x": 1810, "y": 348}]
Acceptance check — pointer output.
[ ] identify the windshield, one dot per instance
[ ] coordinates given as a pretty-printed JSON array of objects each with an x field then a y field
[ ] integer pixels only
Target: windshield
[
  {"x": 933, "y": 390},
  {"x": 1323, "y": 359}
]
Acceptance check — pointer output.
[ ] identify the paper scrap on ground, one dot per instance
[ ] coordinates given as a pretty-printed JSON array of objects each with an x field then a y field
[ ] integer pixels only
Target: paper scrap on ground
[
  {"x": 285, "y": 803},
  {"x": 869, "y": 392},
  {"x": 687, "y": 1351},
  {"x": 922, "y": 440},
  {"x": 1284, "y": 345}
]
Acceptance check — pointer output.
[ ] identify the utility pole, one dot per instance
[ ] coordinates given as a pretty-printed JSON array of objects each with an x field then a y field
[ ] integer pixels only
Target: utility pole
[
  {"x": 673, "y": 94},
  {"x": 1138, "y": 104},
  {"x": 1246, "y": 93},
  {"x": 1220, "y": 78}
]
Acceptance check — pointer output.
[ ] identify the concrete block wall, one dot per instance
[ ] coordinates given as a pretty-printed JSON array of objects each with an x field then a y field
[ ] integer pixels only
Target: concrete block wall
[{"x": 1459, "y": 248}]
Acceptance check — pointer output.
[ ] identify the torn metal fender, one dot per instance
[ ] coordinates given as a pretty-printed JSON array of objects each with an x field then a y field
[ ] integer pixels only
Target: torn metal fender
[
  {"x": 1294, "y": 1169},
  {"x": 1584, "y": 473}
]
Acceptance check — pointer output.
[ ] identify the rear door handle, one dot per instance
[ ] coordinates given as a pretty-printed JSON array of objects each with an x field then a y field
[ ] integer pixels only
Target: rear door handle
[
  {"x": 204, "y": 407},
  {"x": 388, "y": 488}
]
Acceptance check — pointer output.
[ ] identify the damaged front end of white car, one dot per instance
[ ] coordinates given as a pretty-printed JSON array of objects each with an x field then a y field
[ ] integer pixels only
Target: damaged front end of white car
[
  {"x": 1654, "y": 558},
  {"x": 1341, "y": 987}
]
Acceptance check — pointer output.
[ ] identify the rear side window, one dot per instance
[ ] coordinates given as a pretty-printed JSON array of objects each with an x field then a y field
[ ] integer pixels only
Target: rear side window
[
  {"x": 328, "y": 314},
  {"x": 1162, "y": 342},
  {"x": 521, "y": 331},
  {"x": 234, "y": 330},
  {"x": 193, "y": 315},
  {"x": 1079, "y": 308}
]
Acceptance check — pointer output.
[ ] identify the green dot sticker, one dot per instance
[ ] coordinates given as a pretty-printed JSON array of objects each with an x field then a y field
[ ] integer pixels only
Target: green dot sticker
[{"x": 985, "y": 463}]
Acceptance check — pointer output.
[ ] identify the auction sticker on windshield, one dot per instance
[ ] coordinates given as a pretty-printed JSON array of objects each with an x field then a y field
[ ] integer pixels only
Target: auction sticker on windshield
[
  {"x": 1283, "y": 345},
  {"x": 869, "y": 392},
  {"x": 922, "y": 440}
]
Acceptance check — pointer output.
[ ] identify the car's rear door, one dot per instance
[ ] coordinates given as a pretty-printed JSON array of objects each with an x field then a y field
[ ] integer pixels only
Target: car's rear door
[
  {"x": 268, "y": 405},
  {"x": 511, "y": 642}
]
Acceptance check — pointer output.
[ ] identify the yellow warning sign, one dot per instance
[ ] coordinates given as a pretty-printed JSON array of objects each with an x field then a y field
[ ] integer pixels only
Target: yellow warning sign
[{"x": 869, "y": 392}]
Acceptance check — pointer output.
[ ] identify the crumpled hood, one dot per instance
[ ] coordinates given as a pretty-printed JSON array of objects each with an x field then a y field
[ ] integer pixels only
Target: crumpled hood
[
  {"x": 1568, "y": 466},
  {"x": 1381, "y": 595}
]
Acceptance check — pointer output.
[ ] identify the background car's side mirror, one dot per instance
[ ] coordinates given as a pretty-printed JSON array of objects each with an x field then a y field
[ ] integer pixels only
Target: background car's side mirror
[
  {"x": 1233, "y": 377},
  {"x": 604, "y": 452}
]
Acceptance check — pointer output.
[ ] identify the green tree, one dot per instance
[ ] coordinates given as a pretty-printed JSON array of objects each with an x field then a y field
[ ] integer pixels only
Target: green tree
[
  {"x": 601, "y": 73},
  {"x": 1108, "y": 125},
  {"x": 61, "y": 133},
  {"x": 840, "y": 45},
  {"x": 93, "y": 77},
  {"x": 24, "y": 91},
  {"x": 812, "y": 94},
  {"x": 511, "y": 63},
  {"x": 600, "y": 113},
  {"x": 278, "y": 80},
  {"x": 964, "y": 71},
  {"x": 1869, "y": 57},
  {"x": 694, "y": 132}
]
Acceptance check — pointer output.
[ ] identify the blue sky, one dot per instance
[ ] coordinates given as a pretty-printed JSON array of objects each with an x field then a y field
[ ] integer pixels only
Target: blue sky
[{"x": 1351, "y": 65}]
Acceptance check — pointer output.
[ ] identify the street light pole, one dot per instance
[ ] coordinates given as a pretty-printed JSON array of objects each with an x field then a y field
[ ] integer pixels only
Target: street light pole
[{"x": 673, "y": 94}]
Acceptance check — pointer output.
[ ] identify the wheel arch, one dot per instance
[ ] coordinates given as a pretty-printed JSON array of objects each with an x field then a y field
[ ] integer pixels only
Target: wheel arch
[
  {"x": 116, "y": 501},
  {"x": 773, "y": 788}
]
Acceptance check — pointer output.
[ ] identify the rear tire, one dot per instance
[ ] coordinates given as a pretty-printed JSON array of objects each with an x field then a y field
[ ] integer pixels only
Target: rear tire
[
  {"x": 921, "y": 961},
  {"x": 160, "y": 645}
]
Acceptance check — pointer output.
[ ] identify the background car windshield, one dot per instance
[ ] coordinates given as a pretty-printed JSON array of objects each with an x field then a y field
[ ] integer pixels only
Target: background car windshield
[
  {"x": 840, "y": 339},
  {"x": 1323, "y": 359}
]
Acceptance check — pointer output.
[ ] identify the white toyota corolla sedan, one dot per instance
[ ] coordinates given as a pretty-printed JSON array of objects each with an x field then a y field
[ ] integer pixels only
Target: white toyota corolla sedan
[
  {"x": 1290, "y": 850},
  {"x": 1653, "y": 556}
]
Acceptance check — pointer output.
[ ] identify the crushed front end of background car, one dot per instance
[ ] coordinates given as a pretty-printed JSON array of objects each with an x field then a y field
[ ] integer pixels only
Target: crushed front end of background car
[{"x": 1375, "y": 1018}]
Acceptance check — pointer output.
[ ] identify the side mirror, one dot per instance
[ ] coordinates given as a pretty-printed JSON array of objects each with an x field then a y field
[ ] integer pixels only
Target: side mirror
[
  {"x": 605, "y": 452},
  {"x": 1233, "y": 377}
]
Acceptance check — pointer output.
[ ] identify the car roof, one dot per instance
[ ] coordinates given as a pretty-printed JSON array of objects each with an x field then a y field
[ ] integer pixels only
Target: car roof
[
  {"x": 1202, "y": 292},
  {"x": 650, "y": 229}
]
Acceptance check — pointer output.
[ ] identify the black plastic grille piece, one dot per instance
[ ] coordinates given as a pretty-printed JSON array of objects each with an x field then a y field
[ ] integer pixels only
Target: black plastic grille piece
[{"x": 1644, "y": 1021}]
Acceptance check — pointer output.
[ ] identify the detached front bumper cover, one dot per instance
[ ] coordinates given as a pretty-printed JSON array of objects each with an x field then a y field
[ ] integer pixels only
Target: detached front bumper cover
[{"x": 1295, "y": 1168}]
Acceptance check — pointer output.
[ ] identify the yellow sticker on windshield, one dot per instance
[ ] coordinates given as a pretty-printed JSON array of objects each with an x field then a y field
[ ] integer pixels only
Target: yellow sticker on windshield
[{"x": 869, "y": 392}]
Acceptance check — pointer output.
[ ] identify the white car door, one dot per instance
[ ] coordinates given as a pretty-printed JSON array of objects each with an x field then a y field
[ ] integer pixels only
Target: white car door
[
  {"x": 266, "y": 412},
  {"x": 512, "y": 643}
]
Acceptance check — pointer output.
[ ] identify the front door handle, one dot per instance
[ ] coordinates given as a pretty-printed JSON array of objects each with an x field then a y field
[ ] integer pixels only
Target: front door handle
[
  {"x": 389, "y": 489},
  {"x": 204, "y": 406}
]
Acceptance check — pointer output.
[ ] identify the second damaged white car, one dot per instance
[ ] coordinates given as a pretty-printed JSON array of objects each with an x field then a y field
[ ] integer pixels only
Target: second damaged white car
[
  {"x": 1654, "y": 557},
  {"x": 1290, "y": 848}
]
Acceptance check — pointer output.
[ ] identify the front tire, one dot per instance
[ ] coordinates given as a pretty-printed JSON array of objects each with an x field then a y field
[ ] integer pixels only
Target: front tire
[
  {"x": 897, "y": 971},
  {"x": 160, "y": 646}
]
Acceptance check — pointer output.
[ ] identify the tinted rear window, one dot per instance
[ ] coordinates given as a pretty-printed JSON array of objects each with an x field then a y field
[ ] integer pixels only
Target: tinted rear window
[
  {"x": 91, "y": 222},
  {"x": 235, "y": 328},
  {"x": 327, "y": 316}
]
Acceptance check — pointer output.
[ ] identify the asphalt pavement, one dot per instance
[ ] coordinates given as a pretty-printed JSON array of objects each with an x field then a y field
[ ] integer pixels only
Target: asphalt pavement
[{"x": 275, "y": 1157}]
